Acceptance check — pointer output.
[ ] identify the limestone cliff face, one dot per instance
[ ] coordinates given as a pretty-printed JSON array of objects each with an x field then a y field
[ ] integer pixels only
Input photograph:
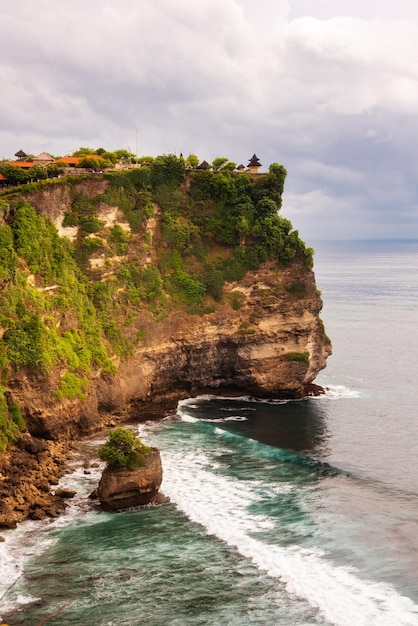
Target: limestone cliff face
[
  {"x": 273, "y": 345},
  {"x": 55, "y": 201},
  {"x": 265, "y": 338},
  {"x": 251, "y": 350}
]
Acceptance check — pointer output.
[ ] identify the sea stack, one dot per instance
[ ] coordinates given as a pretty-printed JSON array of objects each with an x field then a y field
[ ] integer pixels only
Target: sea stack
[{"x": 124, "y": 488}]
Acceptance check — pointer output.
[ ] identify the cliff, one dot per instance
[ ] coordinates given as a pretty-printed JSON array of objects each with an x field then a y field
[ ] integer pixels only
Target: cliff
[
  {"x": 161, "y": 285},
  {"x": 272, "y": 346}
]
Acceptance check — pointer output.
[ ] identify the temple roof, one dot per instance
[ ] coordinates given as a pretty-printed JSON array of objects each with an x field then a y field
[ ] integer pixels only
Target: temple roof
[
  {"x": 203, "y": 166},
  {"x": 44, "y": 156},
  {"x": 254, "y": 161}
]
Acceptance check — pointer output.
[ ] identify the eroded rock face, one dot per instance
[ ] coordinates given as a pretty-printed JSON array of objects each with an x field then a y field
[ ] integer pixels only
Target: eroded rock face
[
  {"x": 121, "y": 489},
  {"x": 250, "y": 344}
]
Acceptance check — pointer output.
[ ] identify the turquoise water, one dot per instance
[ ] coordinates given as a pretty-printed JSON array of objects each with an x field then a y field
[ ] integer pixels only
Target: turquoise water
[{"x": 281, "y": 513}]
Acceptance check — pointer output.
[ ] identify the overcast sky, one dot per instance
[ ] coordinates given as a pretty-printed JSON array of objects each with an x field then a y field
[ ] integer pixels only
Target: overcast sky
[{"x": 328, "y": 88}]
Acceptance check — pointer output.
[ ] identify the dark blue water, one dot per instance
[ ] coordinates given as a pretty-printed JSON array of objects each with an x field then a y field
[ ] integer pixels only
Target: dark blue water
[{"x": 281, "y": 513}]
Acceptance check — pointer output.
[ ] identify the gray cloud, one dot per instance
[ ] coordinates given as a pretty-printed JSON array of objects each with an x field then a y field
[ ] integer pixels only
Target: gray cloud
[{"x": 329, "y": 89}]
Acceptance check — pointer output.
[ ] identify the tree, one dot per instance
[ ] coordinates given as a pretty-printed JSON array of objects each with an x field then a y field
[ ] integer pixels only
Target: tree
[
  {"x": 15, "y": 175},
  {"x": 83, "y": 151},
  {"x": 219, "y": 163},
  {"x": 124, "y": 155},
  {"x": 266, "y": 208},
  {"x": 38, "y": 172},
  {"x": 123, "y": 450},
  {"x": 145, "y": 160},
  {"x": 53, "y": 170},
  {"x": 229, "y": 167},
  {"x": 192, "y": 161},
  {"x": 91, "y": 163},
  {"x": 168, "y": 170},
  {"x": 279, "y": 171}
]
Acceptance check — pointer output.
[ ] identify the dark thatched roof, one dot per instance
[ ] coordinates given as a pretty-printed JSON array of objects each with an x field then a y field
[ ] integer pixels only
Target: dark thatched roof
[
  {"x": 203, "y": 166},
  {"x": 21, "y": 154},
  {"x": 254, "y": 161}
]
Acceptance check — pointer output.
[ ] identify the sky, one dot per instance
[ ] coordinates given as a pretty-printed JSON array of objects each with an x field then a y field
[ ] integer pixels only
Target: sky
[{"x": 328, "y": 88}]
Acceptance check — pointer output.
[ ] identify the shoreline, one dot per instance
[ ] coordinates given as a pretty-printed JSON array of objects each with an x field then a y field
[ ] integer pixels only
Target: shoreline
[{"x": 33, "y": 466}]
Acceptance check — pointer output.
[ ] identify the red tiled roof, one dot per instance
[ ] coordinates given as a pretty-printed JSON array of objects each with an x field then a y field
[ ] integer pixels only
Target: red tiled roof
[
  {"x": 68, "y": 160},
  {"x": 2, "y": 177},
  {"x": 22, "y": 163},
  {"x": 76, "y": 160}
]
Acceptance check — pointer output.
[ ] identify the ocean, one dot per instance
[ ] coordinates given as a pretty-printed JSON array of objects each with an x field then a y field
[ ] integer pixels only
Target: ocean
[{"x": 282, "y": 512}]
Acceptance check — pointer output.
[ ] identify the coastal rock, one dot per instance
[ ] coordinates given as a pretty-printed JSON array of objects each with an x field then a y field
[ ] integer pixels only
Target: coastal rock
[
  {"x": 65, "y": 493},
  {"x": 25, "y": 480},
  {"x": 122, "y": 488}
]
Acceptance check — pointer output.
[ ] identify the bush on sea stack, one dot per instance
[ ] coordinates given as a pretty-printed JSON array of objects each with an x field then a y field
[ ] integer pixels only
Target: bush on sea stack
[
  {"x": 133, "y": 474},
  {"x": 123, "y": 450}
]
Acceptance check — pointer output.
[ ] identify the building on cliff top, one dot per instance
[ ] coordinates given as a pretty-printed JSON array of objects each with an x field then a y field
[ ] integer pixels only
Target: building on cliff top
[
  {"x": 44, "y": 159},
  {"x": 254, "y": 164}
]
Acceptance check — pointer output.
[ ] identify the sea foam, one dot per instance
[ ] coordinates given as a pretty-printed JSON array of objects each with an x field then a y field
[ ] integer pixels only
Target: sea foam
[{"x": 220, "y": 504}]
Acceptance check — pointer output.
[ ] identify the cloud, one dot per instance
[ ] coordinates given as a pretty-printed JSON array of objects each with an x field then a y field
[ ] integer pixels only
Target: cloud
[
  {"x": 363, "y": 9},
  {"x": 329, "y": 89}
]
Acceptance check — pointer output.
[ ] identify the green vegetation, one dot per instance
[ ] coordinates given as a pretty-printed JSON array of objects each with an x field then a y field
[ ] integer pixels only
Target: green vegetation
[
  {"x": 18, "y": 176},
  {"x": 80, "y": 306},
  {"x": 11, "y": 420},
  {"x": 123, "y": 450},
  {"x": 302, "y": 357},
  {"x": 71, "y": 387},
  {"x": 45, "y": 312},
  {"x": 322, "y": 325}
]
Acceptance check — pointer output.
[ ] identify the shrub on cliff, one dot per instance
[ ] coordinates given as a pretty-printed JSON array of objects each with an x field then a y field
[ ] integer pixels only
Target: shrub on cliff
[
  {"x": 123, "y": 450},
  {"x": 11, "y": 421}
]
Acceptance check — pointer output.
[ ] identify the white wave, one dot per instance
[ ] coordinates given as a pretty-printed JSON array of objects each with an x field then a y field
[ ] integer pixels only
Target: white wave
[
  {"x": 20, "y": 601},
  {"x": 193, "y": 402},
  {"x": 188, "y": 418},
  {"x": 29, "y": 539},
  {"x": 231, "y": 418},
  {"x": 337, "y": 392},
  {"x": 220, "y": 505},
  {"x": 235, "y": 418}
]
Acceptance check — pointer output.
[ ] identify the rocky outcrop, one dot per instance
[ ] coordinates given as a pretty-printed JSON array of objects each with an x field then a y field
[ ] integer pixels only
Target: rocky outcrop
[
  {"x": 252, "y": 349},
  {"x": 26, "y": 474},
  {"x": 123, "y": 488}
]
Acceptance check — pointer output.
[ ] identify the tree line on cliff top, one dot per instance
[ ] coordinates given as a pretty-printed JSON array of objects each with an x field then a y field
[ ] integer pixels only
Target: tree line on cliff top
[{"x": 56, "y": 311}]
